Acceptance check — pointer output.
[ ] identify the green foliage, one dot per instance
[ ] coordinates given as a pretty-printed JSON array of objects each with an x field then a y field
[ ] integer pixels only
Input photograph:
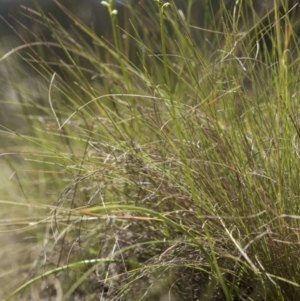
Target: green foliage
[{"x": 152, "y": 169}]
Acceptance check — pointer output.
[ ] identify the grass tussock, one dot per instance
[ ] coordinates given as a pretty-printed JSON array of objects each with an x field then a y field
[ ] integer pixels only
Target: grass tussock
[{"x": 145, "y": 166}]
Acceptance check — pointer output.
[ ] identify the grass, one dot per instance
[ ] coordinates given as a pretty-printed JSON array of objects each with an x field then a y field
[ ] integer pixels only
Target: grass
[{"x": 152, "y": 169}]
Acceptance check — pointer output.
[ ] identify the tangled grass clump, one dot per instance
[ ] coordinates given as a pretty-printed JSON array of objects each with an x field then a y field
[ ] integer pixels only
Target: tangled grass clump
[{"x": 171, "y": 176}]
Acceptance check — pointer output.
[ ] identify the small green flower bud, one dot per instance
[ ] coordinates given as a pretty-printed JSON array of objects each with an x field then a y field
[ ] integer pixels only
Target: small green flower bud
[{"x": 104, "y": 3}]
